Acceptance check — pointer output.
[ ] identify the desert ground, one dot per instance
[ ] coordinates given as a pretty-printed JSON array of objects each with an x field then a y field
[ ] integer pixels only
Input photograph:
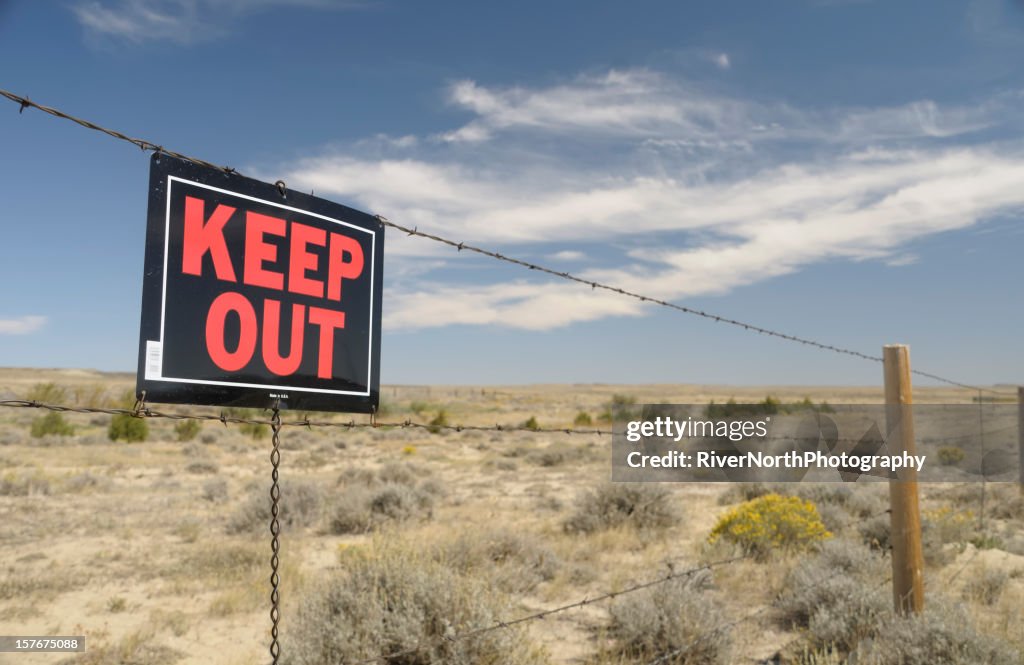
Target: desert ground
[{"x": 158, "y": 551}]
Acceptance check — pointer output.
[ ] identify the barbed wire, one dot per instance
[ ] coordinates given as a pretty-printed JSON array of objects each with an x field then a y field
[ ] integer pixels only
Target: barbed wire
[
  {"x": 141, "y": 410},
  {"x": 544, "y": 614},
  {"x": 145, "y": 145}
]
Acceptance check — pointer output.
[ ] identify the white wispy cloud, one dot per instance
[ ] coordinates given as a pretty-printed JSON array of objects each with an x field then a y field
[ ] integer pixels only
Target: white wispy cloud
[
  {"x": 686, "y": 188},
  {"x": 626, "y": 102},
  {"x": 643, "y": 103},
  {"x": 180, "y": 21},
  {"x": 22, "y": 325},
  {"x": 720, "y": 60}
]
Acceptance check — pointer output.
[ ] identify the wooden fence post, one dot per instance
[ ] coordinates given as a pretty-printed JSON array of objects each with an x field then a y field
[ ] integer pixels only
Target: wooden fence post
[
  {"x": 1020, "y": 437},
  {"x": 905, "y": 515}
]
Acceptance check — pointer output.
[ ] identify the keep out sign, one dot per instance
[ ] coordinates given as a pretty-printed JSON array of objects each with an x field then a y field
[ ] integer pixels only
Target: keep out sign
[{"x": 256, "y": 296}]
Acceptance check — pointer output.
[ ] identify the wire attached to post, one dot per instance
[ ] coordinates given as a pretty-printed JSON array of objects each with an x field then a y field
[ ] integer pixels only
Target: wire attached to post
[{"x": 275, "y": 530}]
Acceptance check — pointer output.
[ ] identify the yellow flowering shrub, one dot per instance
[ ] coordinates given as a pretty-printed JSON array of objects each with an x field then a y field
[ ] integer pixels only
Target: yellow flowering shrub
[{"x": 771, "y": 522}]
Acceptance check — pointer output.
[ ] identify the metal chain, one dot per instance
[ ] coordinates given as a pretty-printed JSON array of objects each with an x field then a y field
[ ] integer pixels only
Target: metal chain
[{"x": 275, "y": 530}]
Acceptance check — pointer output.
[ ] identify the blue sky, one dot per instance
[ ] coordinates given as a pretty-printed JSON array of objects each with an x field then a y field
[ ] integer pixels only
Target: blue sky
[{"x": 849, "y": 171}]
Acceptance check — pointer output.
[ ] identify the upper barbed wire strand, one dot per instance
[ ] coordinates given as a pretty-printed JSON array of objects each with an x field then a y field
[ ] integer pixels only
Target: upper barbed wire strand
[{"x": 25, "y": 102}]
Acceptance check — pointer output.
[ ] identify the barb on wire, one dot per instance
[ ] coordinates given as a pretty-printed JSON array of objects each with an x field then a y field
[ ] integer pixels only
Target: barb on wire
[
  {"x": 671, "y": 655},
  {"x": 544, "y": 614},
  {"x": 145, "y": 145},
  {"x": 350, "y": 424},
  {"x": 146, "y": 412}
]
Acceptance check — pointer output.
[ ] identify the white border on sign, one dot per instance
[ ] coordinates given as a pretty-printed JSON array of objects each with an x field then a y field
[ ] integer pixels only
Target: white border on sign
[{"x": 163, "y": 301}]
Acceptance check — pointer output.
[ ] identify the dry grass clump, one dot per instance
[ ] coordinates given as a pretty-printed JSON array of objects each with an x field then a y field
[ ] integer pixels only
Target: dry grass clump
[
  {"x": 215, "y": 490},
  {"x": 359, "y": 509},
  {"x": 394, "y": 600},
  {"x": 202, "y": 466},
  {"x": 514, "y": 561},
  {"x": 941, "y": 634},
  {"x": 135, "y": 649},
  {"x": 40, "y": 586},
  {"x": 225, "y": 561},
  {"x": 369, "y": 498},
  {"x": 945, "y": 533},
  {"x": 677, "y": 621},
  {"x": 835, "y": 595},
  {"x": 638, "y": 505},
  {"x": 557, "y": 454},
  {"x": 986, "y": 585},
  {"x": 25, "y": 484},
  {"x": 1006, "y": 503},
  {"x": 301, "y": 506},
  {"x": 84, "y": 482}
]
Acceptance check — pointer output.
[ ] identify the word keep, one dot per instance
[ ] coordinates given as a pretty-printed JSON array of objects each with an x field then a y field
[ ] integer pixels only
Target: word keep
[{"x": 344, "y": 256}]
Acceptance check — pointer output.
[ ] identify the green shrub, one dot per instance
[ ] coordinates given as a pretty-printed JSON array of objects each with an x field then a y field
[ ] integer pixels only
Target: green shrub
[
  {"x": 583, "y": 419},
  {"x": 124, "y": 427},
  {"x": 672, "y": 618},
  {"x": 255, "y": 431},
  {"x": 621, "y": 407},
  {"x": 92, "y": 395},
  {"x": 950, "y": 455},
  {"x": 531, "y": 423},
  {"x": 47, "y": 393},
  {"x": 186, "y": 430},
  {"x": 52, "y": 423},
  {"x": 398, "y": 600},
  {"x": 769, "y": 522},
  {"x": 638, "y": 505},
  {"x": 439, "y": 422},
  {"x": 770, "y": 405},
  {"x": 384, "y": 408}
]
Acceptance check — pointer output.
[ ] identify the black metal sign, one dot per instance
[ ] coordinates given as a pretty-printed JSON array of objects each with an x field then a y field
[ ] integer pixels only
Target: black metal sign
[{"x": 256, "y": 296}]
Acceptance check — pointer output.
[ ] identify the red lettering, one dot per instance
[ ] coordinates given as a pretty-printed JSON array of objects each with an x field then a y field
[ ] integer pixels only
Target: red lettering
[
  {"x": 225, "y": 303},
  {"x": 257, "y": 250},
  {"x": 338, "y": 268},
  {"x": 272, "y": 338},
  {"x": 301, "y": 260},
  {"x": 202, "y": 237},
  {"x": 328, "y": 320}
]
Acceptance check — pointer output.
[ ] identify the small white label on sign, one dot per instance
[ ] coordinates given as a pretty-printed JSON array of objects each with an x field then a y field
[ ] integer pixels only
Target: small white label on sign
[{"x": 154, "y": 359}]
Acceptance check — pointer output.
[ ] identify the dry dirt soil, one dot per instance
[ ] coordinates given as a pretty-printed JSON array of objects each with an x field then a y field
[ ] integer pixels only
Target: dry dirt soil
[{"x": 158, "y": 551}]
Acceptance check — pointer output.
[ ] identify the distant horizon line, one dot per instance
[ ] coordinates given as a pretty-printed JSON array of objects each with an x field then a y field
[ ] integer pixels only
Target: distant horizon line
[{"x": 131, "y": 374}]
